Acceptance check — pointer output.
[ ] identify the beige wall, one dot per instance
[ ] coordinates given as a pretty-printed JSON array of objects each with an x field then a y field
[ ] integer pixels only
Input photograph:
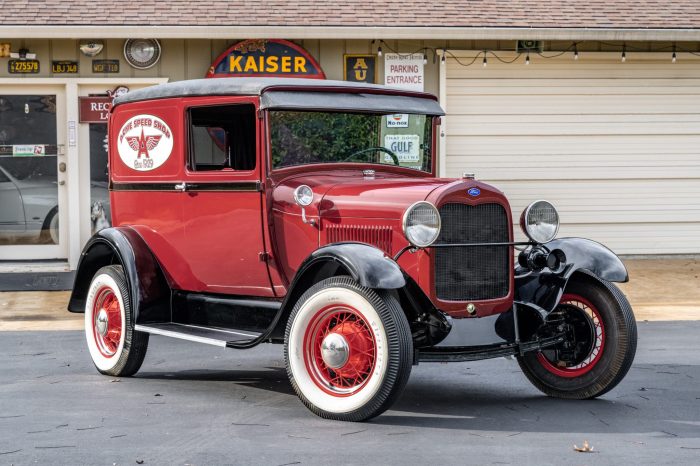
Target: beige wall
[{"x": 190, "y": 59}]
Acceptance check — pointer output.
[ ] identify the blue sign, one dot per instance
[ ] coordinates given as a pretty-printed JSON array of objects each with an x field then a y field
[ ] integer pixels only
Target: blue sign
[{"x": 474, "y": 192}]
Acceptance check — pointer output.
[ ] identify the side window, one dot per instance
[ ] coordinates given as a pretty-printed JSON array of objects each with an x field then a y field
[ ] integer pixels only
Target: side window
[{"x": 222, "y": 137}]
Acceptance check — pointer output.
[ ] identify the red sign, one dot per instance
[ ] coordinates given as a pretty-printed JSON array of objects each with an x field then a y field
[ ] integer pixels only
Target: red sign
[
  {"x": 266, "y": 58},
  {"x": 95, "y": 109}
]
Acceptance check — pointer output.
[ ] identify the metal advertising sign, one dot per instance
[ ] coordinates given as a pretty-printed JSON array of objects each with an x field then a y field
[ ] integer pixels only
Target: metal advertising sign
[
  {"x": 406, "y": 147},
  {"x": 360, "y": 68},
  {"x": 94, "y": 109},
  {"x": 404, "y": 71},
  {"x": 266, "y": 58}
]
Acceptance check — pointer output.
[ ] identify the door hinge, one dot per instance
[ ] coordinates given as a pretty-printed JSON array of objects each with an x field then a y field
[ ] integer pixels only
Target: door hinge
[{"x": 263, "y": 256}]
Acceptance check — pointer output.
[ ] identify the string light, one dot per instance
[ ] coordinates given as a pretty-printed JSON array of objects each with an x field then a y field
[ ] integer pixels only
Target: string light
[{"x": 554, "y": 54}]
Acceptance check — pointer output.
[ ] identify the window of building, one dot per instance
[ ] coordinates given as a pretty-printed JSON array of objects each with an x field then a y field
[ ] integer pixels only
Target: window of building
[{"x": 222, "y": 137}]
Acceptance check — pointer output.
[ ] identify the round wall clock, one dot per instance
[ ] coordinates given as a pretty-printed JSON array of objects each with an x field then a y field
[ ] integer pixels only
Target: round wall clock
[{"x": 142, "y": 53}]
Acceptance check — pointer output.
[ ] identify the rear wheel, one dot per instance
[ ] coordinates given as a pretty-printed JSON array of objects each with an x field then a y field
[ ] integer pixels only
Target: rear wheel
[
  {"x": 601, "y": 342},
  {"x": 115, "y": 347},
  {"x": 348, "y": 350}
]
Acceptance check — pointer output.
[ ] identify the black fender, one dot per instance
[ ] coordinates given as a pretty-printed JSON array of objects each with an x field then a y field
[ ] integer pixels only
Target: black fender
[
  {"x": 544, "y": 288},
  {"x": 367, "y": 265},
  {"x": 148, "y": 289}
]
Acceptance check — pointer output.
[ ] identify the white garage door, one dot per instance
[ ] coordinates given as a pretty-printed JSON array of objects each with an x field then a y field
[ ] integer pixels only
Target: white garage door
[{"x": 615, "y": 146}]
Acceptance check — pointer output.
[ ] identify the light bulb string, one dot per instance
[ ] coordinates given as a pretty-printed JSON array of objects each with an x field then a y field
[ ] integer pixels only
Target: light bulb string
[{"x": 443, "y": 52}]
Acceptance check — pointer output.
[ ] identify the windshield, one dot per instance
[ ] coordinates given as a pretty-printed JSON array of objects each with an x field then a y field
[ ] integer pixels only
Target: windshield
[{"x": 300, "y": 138}]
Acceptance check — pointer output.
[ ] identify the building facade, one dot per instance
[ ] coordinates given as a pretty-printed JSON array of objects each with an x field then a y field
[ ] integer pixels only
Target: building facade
[{"x": 604, "y": 123}]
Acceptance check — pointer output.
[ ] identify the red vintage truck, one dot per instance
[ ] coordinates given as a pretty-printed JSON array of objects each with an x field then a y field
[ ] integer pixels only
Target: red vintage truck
[{"x": 308, "y": 213}]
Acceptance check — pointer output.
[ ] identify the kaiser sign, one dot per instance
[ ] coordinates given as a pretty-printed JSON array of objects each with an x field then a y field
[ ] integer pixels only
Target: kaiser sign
[{"x": 404, "y": 71}]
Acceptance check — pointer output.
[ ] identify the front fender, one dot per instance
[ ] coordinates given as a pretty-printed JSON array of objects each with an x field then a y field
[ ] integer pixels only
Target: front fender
[
  {"x": 148, "y": 289},
  {"x": 366, "y": 264},
  {"x": 544, "y": 288}
]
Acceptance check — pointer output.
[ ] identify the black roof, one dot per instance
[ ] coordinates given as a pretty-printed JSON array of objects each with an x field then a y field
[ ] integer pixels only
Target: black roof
[{"x": 297, "y": 93}]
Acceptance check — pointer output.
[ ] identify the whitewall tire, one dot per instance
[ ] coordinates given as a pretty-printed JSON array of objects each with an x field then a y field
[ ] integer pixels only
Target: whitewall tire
[
  {"x": 348, "y": 350},
  {"x": 115, "y": 347}
]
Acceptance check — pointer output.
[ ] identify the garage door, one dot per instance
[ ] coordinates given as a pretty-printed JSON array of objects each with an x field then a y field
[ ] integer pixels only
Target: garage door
[{"x": 615, "y": 146}]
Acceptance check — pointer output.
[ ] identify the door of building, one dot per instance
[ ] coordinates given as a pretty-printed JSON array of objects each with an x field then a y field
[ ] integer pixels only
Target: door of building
[{"x": 33, "y": 173}]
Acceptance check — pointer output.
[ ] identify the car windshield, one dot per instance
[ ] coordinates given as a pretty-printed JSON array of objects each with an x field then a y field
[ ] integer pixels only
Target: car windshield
[{"x": 301, "y": 138}]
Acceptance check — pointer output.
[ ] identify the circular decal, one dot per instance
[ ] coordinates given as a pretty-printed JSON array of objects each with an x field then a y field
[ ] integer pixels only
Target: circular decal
[{"x": 144, "y": 142}]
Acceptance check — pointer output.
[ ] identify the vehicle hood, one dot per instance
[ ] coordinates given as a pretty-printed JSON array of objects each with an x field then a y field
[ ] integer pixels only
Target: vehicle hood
[
  {"x": 351, "y": 196},
  {"x": 376, "y": 198}
]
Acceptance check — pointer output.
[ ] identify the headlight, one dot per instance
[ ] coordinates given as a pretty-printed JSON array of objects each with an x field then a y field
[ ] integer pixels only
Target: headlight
[
  {"x": 540, "y": 221},
  {"x": 421, "y": 224},
  {"x": 303, "y": 195}
]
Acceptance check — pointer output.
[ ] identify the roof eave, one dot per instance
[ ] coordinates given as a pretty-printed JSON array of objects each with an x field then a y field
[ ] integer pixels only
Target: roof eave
[{"x": 346, "y": 32}]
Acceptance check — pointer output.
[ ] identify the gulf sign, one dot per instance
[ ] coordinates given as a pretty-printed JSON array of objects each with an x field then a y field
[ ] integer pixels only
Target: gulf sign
[{"x": 266, "y": 58}]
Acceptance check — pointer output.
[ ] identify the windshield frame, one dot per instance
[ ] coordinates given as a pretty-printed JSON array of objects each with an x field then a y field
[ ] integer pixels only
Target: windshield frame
[{"x": 432, "y": 120}]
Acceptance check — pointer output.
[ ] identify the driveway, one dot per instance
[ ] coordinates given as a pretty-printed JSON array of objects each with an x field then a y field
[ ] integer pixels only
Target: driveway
[{"x": 202, "y": 405}]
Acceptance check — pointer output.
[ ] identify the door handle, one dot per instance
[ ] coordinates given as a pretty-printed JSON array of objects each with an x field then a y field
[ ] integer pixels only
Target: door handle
[{"x": 181, "y": 186}]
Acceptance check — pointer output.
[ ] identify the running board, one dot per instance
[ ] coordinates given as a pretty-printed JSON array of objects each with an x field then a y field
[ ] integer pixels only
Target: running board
[{"x": 197, "y": 333}]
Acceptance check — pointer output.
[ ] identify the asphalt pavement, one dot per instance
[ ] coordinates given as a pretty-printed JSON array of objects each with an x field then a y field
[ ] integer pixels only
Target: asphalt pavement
[{"x": 202, "y": 405}]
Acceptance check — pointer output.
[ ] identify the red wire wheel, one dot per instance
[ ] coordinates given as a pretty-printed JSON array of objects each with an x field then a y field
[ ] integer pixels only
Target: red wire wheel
[
  {"x": 589, "y": 327},
  {"x": 107, "y": 321},
  {"x": 339, "y": 350}
]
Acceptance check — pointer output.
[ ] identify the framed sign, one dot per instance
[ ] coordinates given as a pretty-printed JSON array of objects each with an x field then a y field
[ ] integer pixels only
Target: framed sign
[
  {"x": 105, "y": 66},
  {"x": 266, "y": 58},
  {"x": 360, "y": 68},
  {"x": 23, "y": 66},
  {"x": 64, "y": 67},
  {"x": 404, "y": 71}
]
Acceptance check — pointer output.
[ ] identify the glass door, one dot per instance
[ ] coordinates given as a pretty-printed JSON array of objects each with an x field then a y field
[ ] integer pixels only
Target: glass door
[
  {"x": 92, "y": 134},
  {"x": 32, "y": 173}
]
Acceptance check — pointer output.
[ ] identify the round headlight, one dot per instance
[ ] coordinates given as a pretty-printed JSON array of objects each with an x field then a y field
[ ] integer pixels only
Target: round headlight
[
  {"x": 540, "y": 221},
  {"x": 421, "y": 224},
  {"x": 303, "y": 195}
]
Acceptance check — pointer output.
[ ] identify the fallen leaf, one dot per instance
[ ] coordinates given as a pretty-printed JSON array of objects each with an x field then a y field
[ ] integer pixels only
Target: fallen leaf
[{"x": 586, "y": 448}]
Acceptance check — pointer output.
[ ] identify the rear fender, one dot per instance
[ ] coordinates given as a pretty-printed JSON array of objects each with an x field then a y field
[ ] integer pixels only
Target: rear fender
[
  {"x": 544, "y": 288},
  {"x": 148, "y": 289}
]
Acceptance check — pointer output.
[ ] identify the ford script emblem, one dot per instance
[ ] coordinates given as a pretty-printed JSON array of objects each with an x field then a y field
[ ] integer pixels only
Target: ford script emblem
[{"x": 474, "y": 192}]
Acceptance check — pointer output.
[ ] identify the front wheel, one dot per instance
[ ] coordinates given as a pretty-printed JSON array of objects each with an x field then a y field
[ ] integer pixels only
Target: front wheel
[
  {"x": 600, "y": 347},
  {"x": 348, "y": 350},
  {"x": 115, "y": 347}
]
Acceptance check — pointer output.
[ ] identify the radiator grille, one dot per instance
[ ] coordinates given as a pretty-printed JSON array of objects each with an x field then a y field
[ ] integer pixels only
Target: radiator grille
[
  {"x": 472, "y": 273},
  {"x": 379, "y": 236}
]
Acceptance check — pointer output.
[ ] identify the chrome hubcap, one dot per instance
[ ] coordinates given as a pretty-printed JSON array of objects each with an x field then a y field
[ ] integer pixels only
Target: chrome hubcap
[
  {"x": 335, "y": 350},
  {"x": 102, "y": 322}
]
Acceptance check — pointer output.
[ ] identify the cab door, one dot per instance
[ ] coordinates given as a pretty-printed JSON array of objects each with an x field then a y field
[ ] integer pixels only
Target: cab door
[{"x": 222, "y": 217}]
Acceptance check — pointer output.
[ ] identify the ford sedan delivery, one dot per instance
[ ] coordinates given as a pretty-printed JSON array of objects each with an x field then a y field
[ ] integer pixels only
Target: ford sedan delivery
[{"x": 308, "y": 213}]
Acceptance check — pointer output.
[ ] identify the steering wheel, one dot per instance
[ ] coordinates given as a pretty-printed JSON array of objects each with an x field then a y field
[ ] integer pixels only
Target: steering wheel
[{"x": 391, "y": 154}]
